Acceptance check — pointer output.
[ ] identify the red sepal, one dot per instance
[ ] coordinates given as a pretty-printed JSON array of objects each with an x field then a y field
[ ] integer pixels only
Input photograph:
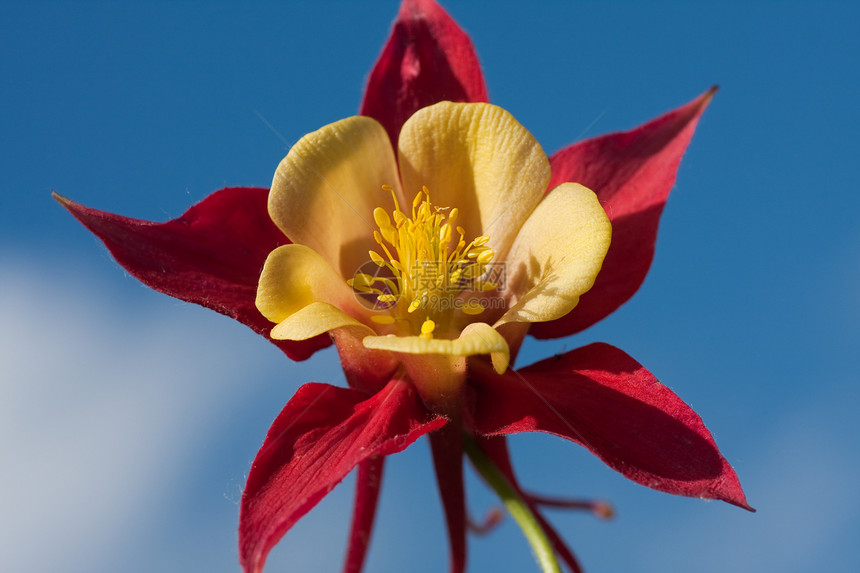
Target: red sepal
[
  {"x": 632, "y": 174},
  {"x": 428, "y": 58},
  {"x": 600, "y": 397},
  {"x": 321, "y": 434},
  {"x": 212, "y": 255}
]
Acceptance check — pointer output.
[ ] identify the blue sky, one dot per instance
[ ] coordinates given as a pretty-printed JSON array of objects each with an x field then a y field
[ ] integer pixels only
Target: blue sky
[{"x": 128, "y": 420}]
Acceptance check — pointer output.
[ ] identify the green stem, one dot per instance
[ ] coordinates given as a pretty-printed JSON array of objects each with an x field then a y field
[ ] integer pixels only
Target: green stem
[{"x": 515, "y": 504}]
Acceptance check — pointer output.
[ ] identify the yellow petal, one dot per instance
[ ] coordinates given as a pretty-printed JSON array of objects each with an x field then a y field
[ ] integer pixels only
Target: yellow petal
[
  {"x": 293, "y": 277},
  {"x": 326, "y": 188},
  {"x": 314, "y": 319},
  {"x": 556, "y": 256},
  {"x": 478, "y": 158},
  {"x": 476, "y": 338}
]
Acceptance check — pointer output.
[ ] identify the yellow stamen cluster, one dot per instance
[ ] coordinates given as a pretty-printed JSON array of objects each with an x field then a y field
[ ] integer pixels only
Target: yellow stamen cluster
[{"x": 428, "y": 262}]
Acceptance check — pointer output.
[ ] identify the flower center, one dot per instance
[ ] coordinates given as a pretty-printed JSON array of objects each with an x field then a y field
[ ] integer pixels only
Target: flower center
[{"x": 425, "y": 267}]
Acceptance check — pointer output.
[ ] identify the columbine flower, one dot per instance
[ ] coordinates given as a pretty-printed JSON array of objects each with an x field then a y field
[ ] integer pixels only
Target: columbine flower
[
  {"x": 388, "y": 234},
  {"x": 467, "y": 188}
]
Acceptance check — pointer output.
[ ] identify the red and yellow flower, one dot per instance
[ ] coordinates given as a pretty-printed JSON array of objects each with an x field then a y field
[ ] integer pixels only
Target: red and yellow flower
[{"x": 426, "y": 238}]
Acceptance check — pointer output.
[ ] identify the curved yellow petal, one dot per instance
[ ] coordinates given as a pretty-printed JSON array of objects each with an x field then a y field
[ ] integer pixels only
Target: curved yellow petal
[
  {"x": 478, "y": 158},
  {"x": 556, "y": 256},
  {"x": 325, "y": 189},
  {"x": 476, "y": 338},
  {"x": 295, "y": 276},
  {"x": 314, "y": 319}
]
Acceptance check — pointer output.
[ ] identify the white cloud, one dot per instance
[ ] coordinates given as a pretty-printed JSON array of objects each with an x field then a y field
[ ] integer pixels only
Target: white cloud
[
  {"x": 111, "y": 408},
  {"x": 103, "y": 405}
]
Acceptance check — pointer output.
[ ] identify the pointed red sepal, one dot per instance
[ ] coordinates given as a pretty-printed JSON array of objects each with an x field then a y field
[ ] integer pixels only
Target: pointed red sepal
[
  {"x": 212, "y": 255},
  {"x": 600, "y": 397},
  {"x": 428, "y": 58},
  {"x": 632, "y": 174},
  {"x": 447, "y": 448},
  {"x": 367, "y": 486},
  {"x": 320, "y": 435}
]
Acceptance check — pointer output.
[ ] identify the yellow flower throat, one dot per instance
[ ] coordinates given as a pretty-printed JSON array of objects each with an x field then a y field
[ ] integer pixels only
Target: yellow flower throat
[{"x": 428, "y": 266}]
